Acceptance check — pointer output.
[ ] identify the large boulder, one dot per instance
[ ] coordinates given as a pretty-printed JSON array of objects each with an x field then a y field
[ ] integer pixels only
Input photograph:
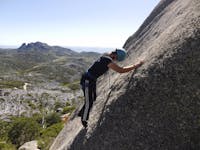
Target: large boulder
[{"x": 32, "y": 145}]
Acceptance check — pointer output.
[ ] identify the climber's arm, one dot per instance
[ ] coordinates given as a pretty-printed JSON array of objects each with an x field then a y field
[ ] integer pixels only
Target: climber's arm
[{"x": 119, "y": 69}]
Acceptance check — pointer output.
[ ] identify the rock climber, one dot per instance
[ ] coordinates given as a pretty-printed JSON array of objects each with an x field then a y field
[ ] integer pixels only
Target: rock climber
[{"x": 89, "y": 78}]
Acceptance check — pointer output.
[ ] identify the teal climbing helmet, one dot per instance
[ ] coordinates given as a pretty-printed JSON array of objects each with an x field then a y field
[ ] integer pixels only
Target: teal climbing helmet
[{"x": 121, "y": 54}]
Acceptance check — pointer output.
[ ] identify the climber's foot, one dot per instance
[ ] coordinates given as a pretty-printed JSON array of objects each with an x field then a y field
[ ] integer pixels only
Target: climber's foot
[{"x": 84, "y": 123}]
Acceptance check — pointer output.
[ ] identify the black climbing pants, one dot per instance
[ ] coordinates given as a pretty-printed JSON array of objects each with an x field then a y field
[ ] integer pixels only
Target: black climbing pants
[{"x": 89, "y": 89}]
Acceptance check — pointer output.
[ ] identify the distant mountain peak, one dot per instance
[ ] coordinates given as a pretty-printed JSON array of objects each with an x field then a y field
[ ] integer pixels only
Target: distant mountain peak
[
  {"x": 34, "y": 46},
  {"x": 22, "y": 46},
  {"x": 45, "y": 48}
]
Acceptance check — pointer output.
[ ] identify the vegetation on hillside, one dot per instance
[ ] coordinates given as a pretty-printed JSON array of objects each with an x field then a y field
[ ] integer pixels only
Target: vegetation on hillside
[
  {"x": 19, "y": 130},
  {"x": 39, "y": 83}
]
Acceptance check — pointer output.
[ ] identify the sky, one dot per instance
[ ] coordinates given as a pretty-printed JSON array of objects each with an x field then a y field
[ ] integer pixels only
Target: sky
[{"x": 91, "y": 23}]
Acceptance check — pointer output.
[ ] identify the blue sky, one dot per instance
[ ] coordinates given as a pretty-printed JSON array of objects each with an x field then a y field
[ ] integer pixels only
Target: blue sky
[{"x": 95, "y": 23}]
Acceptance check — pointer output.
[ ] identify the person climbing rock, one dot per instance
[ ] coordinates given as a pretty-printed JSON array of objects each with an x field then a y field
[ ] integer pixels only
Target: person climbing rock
[{"x": 89, "y": 78}]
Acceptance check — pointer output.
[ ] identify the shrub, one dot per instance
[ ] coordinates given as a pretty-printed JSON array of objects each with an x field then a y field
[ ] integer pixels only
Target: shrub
[
  {"x": 2, "y": 100},
  {"x": 52, "y": 118},
  {"x": 11, "y": 84},
  {"x": 57, "y": 105},
  {"x": 37, "y": 117},
  {"x": 68, "y": 109},
  {"x": 67, "y": 104},
  {"x": 48, "y": 135},
  {"x": 32, "y": 105},
  {"x": 23, "y": 130},
  {"x": 4, "y": 128},
  {"x": 73, "y": 86},
  {"x": 6, "y": 146},
  {"x": 52, "y": 131}
]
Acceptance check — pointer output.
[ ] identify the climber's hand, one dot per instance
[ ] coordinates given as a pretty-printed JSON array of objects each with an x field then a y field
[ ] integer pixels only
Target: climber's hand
[{"x": 139, "y": 64}]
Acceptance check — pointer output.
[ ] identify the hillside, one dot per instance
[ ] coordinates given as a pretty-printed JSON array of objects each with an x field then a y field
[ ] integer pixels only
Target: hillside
[
  {"x": 157, "y": 106},
  {"x": 44, "y": 69}
]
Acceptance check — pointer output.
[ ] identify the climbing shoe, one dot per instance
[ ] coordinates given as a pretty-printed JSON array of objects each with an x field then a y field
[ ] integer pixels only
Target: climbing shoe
[{"x": 84, "y": 123}]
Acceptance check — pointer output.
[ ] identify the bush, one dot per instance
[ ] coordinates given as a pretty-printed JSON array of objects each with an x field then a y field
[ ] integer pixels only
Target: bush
[
  {"x": 52, "y": 131},
  {"x": 4, "y": 141},
  {"x": 73, "y": 86},
  {"x": 45, "y": 143},
  {"x": 52, "y": 118},
  {"x": 32, "y": 105},
  {"x": 11, "y": 84},
  {"x": 57, "y": 105},
  {"x": 67, "y": 104},
  {"x": 48, "y": 135},
  {"x": 37, "y": 117},
  {"x": 68, "y": 109},
  {"x": 23, "y": 130},
  {"x": 6, "y": 146},
  {"x": 4, "y": 128}
]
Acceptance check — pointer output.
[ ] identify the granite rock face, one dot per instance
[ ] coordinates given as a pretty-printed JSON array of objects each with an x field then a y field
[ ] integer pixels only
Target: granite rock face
[{"x": 156, "y": 107}]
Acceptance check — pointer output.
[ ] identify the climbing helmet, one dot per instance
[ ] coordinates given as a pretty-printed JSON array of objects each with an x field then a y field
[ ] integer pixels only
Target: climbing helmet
[{"x": 121, "y": 54}]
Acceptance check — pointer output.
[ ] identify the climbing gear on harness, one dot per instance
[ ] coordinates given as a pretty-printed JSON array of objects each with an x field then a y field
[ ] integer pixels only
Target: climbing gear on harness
[{"x": 91, "y": 76}]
